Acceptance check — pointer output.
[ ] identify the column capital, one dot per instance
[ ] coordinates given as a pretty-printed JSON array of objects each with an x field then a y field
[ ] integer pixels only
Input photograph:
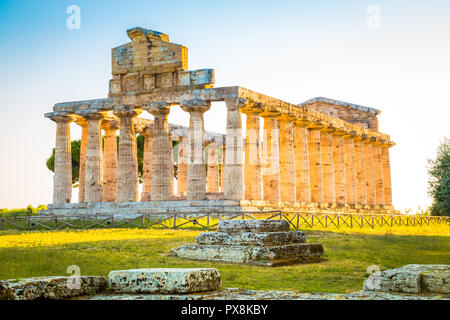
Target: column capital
[
  {"x": 328, "y": 129},
  {"x": 286, "y": 117},
  {"x": 157, "y": 108},
  {"x": 82, "y": 122},
  {"x": 61, "y": 116},
  {"x": 110, "y": 124},
  {"x": 195, "y": 105},
  {"x": 302, "y": 122},
  {"x": 387, "y": 144},
  {"x": 339, "y": 132},
  {"x": 235, "y": 103},
  {"x": 252, "y": 108},
  {"x": 147, "y": 131},
  {"x": 368, "y": 139},
  {"x": 270, "y": 113},
  {"x": 350, "y": 135},
  {"x": 92, "y": 115},
  {"x": 126, "y": 111},
  {"x": 315, "y": 125}
]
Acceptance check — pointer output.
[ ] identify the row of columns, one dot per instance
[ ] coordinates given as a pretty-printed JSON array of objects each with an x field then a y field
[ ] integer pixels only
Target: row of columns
[
  {"x": 300, "y": 160},
  {"x": 306, "y": 161}
]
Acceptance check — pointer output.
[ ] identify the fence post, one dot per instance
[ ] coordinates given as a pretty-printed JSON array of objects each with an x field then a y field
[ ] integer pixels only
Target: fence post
[
  {"x": 28, "y": 222},
  {"x": 1, "y": 223},
  {"x": 56, "y": 223},
  {"x": 174, "y": 220}
]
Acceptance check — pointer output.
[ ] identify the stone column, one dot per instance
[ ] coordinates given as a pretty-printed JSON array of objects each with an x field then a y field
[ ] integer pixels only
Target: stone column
[
  {"x": 361, "y": 195},
  {"x": 110, "y": 175},
  {"x": 252, "y": 169},
  {"x": 315, "y": 162},
  {"x": 222, "y": 168},
  {"x": 94, "y": 158},
  {"x": 301, "y": 162},
  {"x": 326, "y": 154},
  {"x": 271, "y": 158},
  {"x": 196, "y": 175},
  {"x": 286, "y": 153},
  {"x": 386, "y": 164},
  {"x": 378, "y": 173},
  {"x": 233, "y": 189},
  {"x": 147, "y": 165},
  {"x": 82, "y": 173},
  {"x": 128, "y": 164},
  {"x": 213, "y": 168},
  {"x": 350, "y": 172},
  {"x": 182, "y": 167},
  {"x": 160, "y": 189},
  {"x": 369, "y": 169},
  {"x": 62, "y": 178},
  {"x": 339, "y": 167},
  {"x": 171, "y": 168}
]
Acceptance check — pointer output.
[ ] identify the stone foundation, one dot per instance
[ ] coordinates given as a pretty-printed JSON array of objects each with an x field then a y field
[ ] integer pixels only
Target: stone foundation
[{"x": 265, "y": 243}]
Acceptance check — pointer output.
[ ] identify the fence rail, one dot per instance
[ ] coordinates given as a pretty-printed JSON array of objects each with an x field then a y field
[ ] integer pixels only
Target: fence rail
[{"x": 297, "y": 221}]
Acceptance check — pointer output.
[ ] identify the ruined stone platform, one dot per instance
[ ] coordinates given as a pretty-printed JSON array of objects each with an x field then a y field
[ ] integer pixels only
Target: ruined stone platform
[
  {"x": 164, "y": 280},
  {"x": 266, "y": 243}
]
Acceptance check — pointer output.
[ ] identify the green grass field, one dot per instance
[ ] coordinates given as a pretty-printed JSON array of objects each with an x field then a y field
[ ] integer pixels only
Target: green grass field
[{"x": 96, "y": 252}]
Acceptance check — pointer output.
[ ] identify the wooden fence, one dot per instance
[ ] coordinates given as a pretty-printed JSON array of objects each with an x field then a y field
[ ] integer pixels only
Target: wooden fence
[{"x": 211, "y": 220}]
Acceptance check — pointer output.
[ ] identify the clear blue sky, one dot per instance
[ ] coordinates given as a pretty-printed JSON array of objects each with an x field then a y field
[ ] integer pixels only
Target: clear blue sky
[{"x": 292, "y": 50}]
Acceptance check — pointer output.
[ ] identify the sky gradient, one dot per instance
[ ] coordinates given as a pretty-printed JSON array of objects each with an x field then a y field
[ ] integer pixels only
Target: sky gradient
[{"x": 291, "y": 50}]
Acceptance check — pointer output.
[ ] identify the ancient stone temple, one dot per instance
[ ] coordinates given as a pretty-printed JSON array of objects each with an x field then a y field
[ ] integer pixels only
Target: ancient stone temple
[{"x": 320, "y": 155}]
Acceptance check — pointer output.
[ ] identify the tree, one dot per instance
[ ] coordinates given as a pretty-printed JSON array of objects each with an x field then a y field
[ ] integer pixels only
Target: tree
[
  {"x": 76, "y": 144},
  {"x": 439, "y": 182}
]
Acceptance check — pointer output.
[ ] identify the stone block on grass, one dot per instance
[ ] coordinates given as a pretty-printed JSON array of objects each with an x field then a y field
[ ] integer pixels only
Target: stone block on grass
[{"x": 164, "y": 280}]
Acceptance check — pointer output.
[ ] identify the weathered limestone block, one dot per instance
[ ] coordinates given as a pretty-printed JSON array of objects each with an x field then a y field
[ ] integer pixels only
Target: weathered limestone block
[
  {"x": 412, "y": 278},
  {"x": 254, "y": 255},
  {"x": 257, "y": 226},
  {"x": 251, "y": 238},
  {"x": 50, "y": 287},
  {"x": 165, "y": 280}
]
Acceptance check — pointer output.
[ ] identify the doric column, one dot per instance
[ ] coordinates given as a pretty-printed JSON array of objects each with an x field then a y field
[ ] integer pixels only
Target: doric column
[
  {"x": 182, "y": 167},
  {"x": 127, "y": 164},
  {"x": 171, "y": 168},
  {"x": 378, "y": 173},
  {"x": 369, "y": 169},
  {"x": 286, "y": 154},
  {"x": 361, "y": 195},
  {"x": 160, "y": 189},
  {"x": 82, "y": 173},
  {"x": 315, "y": 162},
  {"x": 94, "y": 158},
  {"x": 386, "y": 164},
  {"x": 252, "y": 168},
  {"x": 110, "y": 175},
  {"x": 350, "y": 170},
  {"x": 326, "y": 154},
  {"x": 301, "y": 161},
  {"x": 62, "y": 178},
  {"x": 233, "y": 188},
  {"x": 147, "y": 165},
  {"x": 222, "y": 168},
  {"x": 339, "y": 167},
  {"x": 196, "y": 176},
  {"x": 213, "y": 168},
  {"x": 271, "y": 158}
]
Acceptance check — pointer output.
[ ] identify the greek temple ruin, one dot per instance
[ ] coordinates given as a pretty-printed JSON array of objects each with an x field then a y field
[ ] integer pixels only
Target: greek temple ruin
[{"x": 320, "y": 155}]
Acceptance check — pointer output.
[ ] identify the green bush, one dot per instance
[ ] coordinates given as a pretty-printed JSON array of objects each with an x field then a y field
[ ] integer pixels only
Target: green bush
[
  {"x": 23, "y": 212},
  {"x": 439, "y": 182}
]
